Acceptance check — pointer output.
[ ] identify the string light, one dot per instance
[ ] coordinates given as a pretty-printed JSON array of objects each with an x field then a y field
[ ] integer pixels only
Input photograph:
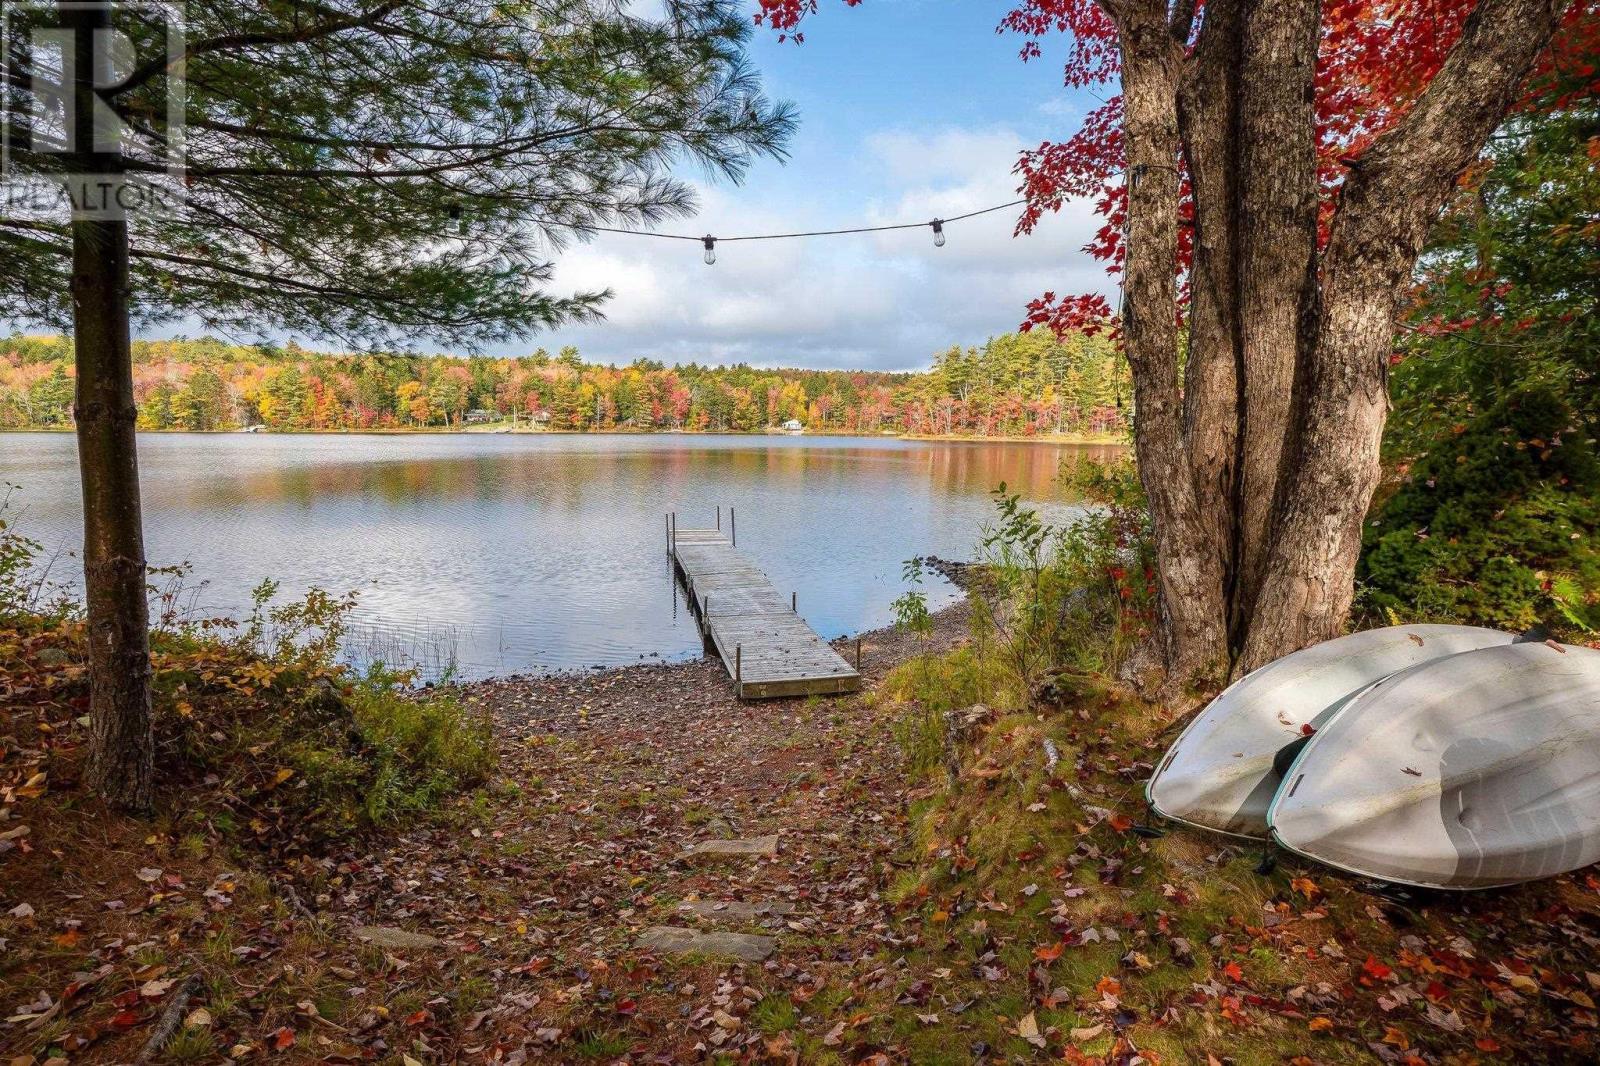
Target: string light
[{"x": 709, "y": 242}]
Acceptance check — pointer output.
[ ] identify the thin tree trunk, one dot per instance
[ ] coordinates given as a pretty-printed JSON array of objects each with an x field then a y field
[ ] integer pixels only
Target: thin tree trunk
[
  {"x": 1208, "y": 122},
  {"x": 121, "y": 746},
  {"x": 1189, "y": 571},
  {"x": 1276, "y": 243}
]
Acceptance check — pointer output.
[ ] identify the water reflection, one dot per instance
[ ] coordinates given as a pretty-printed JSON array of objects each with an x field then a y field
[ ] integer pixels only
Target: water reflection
[{"x": 516, "y": 553}]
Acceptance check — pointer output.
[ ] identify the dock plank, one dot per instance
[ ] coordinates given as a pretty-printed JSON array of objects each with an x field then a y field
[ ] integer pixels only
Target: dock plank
[{"x": 766, "y": 647}]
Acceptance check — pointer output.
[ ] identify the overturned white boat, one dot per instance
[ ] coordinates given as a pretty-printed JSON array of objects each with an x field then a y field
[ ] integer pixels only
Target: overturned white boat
[
  {"x": 1224, "y": 768},
  {"x": 1478, "y": 770}
]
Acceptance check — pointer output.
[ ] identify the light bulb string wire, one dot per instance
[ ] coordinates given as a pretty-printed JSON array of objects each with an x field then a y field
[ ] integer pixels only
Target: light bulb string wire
[{"x": 586, "y": 228}]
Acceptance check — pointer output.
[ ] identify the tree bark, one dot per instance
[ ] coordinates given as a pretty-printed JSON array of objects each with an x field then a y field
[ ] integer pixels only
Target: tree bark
[
  {"x": 1208, "y": 124},
  {"x": 121, "y": 752},
  {"x": 1189, "y": 570},
  {"x": 1277, "y": 243},
  {"x": 1386, "y": 207}
]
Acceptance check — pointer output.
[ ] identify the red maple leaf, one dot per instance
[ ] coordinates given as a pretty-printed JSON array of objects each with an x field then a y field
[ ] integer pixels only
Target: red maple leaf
[{"x": 1375, "y": 969}]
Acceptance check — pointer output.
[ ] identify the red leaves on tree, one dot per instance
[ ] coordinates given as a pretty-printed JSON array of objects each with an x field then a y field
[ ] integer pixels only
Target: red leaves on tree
[
  {"x": 1088, "y": 313},
  {"x": 1092, "y": 56},
  {"x": 1375, "y": 60}
]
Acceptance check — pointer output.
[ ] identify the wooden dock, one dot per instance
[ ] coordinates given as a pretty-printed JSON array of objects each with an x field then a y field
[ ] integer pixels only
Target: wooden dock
[{"x": 767, "y": 648}]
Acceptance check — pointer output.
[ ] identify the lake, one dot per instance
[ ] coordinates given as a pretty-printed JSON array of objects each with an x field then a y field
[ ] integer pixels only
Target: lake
[{"x": 532, "y": 553}]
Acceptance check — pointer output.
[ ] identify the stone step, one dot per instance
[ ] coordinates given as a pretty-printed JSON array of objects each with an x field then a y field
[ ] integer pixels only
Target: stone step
[
  {"x": 387, "y": 936},
  {"x": 755, "y": 847},
  {"x": 734, "y": 910},
  {"x": 676, "y": 940}
]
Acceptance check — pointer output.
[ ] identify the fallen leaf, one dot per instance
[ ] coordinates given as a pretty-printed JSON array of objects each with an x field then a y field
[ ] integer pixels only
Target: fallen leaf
[
  {"x": 1028, "y": 1029},
  {"x": 1306, "y": 887}
]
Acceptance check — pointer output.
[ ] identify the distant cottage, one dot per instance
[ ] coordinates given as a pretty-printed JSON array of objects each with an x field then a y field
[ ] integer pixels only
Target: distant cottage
[{"x": 794, "y": 425}]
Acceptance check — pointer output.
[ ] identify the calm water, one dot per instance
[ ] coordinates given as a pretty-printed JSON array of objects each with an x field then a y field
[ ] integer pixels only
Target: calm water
[{"x": 513, "y": 554}]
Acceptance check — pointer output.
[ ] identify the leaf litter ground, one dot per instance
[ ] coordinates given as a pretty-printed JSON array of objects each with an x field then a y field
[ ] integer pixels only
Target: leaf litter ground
[{"x": 1013, "y": 906}]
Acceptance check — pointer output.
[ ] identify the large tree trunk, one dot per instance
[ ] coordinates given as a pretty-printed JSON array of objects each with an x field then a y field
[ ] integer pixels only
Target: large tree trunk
[
  {"x": 122, "y": 747},
  {"x": 1208, "y": 122},
  {"x": 121, "y": 752},
  {"x": 1386, "y": 207},
  {"x": 1261, "y": 461}
]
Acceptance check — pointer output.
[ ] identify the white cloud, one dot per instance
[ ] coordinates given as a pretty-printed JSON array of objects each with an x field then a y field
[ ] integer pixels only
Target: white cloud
[{"x": 887, "y": 300}]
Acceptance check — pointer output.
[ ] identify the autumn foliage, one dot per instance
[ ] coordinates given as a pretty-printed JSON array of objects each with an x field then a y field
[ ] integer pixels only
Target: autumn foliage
[{"x": 1375, "y": 58}]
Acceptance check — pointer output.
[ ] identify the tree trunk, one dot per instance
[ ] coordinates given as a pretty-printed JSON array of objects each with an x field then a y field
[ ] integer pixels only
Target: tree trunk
[
  {"x": 1208, "y": 122},
  {"x": 1189, "y": 571},
  {"x": 1386, "y": 207},
  {"x": 121, "y": 751},
  {"x": 1276, "y": 243},
  {"x": 1260, "y": 466}
]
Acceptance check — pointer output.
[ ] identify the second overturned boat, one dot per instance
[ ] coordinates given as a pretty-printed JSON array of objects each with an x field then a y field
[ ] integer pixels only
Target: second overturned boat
[{"x": 1472, "y": 771}]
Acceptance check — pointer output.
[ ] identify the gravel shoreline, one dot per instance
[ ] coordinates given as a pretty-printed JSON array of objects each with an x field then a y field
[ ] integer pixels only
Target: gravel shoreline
[{"x": 700, "y": 685}]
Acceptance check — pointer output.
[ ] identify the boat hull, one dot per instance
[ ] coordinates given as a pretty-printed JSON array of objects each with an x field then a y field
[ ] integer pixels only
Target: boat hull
[
  {"x": 1473, "y": 771},
  {"x": 1220, "y": 773}
]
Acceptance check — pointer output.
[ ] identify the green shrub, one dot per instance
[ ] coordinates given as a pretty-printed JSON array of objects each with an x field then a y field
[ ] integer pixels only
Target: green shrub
[
  {"x": 1498, "y": 526},
  {"x": 300, "y": 745},
  {"x": 260, "y": 732},
  {"x": 1107, "y": 559}
]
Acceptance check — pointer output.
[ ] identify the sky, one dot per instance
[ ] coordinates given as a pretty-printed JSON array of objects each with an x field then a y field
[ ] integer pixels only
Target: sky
[{"x": 909, "y": 110}]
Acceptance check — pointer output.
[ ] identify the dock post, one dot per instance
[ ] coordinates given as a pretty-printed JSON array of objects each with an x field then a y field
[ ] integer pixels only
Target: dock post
[
  {"x": 719, "y": 516},
  {"x": 733, "y": 528},
  {"x": 858, "y": 655},
  {"x": 669, "y": 533},
  {"x": 794, "y": 603},
  {"x": 738, "y": 664}
]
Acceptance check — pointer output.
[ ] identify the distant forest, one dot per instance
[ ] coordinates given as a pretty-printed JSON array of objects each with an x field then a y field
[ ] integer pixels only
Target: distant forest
[{"x": 1014, "y": 385}]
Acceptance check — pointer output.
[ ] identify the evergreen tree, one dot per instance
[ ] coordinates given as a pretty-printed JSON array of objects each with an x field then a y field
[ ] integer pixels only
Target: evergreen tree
[{"x": 368, "y": 169}]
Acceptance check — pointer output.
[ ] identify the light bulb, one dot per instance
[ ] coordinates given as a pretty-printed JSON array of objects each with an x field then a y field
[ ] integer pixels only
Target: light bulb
[
  {"x": 938, "y": 233},
  {"x": 711, "y": 248}
]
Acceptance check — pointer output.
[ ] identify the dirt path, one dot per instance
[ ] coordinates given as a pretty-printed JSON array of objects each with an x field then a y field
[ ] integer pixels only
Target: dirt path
[{"x": 608, "y": 779}]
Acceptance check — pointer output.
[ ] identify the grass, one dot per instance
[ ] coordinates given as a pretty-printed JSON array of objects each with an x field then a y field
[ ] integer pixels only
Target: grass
[{"x": 1029, "y": 896}]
